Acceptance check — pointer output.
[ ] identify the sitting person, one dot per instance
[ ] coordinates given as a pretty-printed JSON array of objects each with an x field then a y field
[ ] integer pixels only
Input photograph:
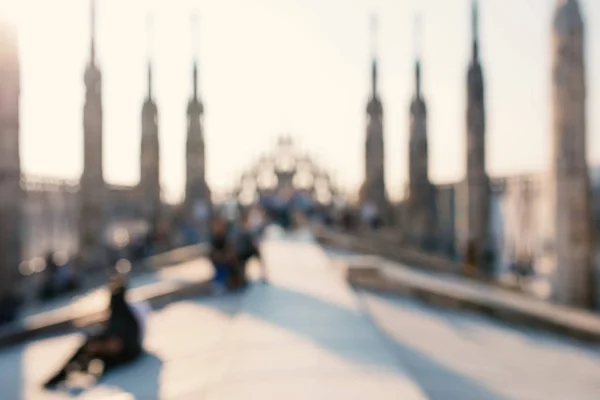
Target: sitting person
[
  {"x": 248, "y": 238},
  {"x": 118, "y": 343},
  {"x": 222, "y": 254},
  {"x": 9, "y": 307}
]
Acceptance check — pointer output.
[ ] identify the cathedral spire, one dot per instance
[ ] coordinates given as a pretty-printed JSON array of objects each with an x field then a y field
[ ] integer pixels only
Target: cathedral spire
[
  {"x": 92, "y": 32},
  {"x": 374, "y": 55},
  {"x": 475, "y": 27}
]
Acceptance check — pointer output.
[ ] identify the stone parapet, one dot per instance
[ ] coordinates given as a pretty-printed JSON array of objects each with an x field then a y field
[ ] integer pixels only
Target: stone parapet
[
  {"x": 384, "y": 245},
  {"x": 460, "y": 293},
  {"x": 159, "y": 293}
]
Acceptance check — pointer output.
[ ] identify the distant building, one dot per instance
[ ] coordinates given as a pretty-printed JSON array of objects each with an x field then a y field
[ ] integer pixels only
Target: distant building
[
  {"x": 11, "y": 195},
  {"x": 78, "y": 217}
]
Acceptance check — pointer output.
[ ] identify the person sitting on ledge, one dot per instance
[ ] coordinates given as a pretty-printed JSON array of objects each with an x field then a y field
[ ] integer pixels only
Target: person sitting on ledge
[
  {"x": 10, "y": 304},
  {"x": 119, "y": 342}
]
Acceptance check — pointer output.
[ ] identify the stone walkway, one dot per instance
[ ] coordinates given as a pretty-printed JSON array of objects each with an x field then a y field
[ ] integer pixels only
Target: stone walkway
[
  {"x": 308, "y": 336},
  {"x": 304, "y": 336},
  {"x": 457, "y": 355},
  {"x": 461, "y": 356}
]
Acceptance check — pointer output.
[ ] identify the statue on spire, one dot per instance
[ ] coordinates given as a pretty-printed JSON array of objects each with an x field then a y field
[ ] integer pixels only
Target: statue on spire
[
  {"x": 374, "y": 28},
  {"x": 150, "y": 26},
  {"x": 418, "y": 55},
  {"x": 475, "y": 27},
  {"x": 194, "y": 21},
  {"x": 92, "y": 32}
]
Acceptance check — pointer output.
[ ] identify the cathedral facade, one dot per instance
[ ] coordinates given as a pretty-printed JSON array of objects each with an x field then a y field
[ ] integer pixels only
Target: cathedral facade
[{"x": 543, "y": 221}]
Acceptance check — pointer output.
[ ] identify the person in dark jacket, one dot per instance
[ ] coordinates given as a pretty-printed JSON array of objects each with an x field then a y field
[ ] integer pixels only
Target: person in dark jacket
[
  {"x": 10, "y": 304},
  {"x": 118, "y": 343},
  {"x": 222, "y": 254}
]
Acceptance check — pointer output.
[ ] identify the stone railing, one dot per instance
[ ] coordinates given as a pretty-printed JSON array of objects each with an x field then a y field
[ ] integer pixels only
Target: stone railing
[
  {"x": 59, "y": 320},
  {"x": 176, "y": 256},
  {"x": 378, "y": 275},
  {"x": 386, "y": 245}
]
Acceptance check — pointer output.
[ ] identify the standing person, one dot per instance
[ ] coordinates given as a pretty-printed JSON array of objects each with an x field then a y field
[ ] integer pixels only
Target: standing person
[
  {"x": 120, "y": 342},
  {"x": 470, "y": 259},
  {"x": 49, "y": 287}
]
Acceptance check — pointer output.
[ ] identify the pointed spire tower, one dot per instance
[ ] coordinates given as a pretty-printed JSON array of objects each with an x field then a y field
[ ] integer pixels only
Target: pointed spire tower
[
  {"x": 150, "y": 147},
  {"x": 197, "y": 192},
  {"x": 571, "y": 195},
  {"x": 11, "y": 194},
  {"x": 477, "y": 185},
  {"x": 91, "y": 221},
  {"x": 373, "y": 191},
  {"x": 420, "y": 203}
]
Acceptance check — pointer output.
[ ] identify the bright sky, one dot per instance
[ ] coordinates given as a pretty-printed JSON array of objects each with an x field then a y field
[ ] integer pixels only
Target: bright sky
[{"x": 300, "y": 66}]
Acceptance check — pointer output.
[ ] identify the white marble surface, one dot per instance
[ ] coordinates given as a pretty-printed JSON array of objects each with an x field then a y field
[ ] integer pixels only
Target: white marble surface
[{"x": 304, "y": 336}]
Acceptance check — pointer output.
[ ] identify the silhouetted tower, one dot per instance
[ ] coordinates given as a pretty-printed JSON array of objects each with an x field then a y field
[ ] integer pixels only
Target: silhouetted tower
[
  {"x": 477, "y": 181},
  {"x": 420, "y": 211},
  {"x": 149, "y": 154},
  {"x": 197, "y": 193},
  {"x": 373, "y": 189},
  {"x": 571, "y": 187},
  {"x": 92, "y": 196},
  {"x": 11, "y": 195}
]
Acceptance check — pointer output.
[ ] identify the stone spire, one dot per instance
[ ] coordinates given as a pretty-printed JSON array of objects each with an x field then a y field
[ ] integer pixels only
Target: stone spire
[
  {"x": 150, "y": 148},
  {"x": 574, "y": 276},
  {"x": 420, "y": 207},
  {"x": 477, "y": 181},
  {"x": 91, "y": 221},
  {"x": 197, "y": 192},
  {"x": 11, "y": 195},
  {"x": 373, "y": 189}
]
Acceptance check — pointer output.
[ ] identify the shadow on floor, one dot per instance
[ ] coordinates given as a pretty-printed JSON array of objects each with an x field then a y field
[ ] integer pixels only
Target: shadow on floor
[
  {"x": 440, "y": 382},
  {"x": 140, "y": 379},
  {"x": 351, "y": 335},
  {"x": 11, "y": 372}
]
